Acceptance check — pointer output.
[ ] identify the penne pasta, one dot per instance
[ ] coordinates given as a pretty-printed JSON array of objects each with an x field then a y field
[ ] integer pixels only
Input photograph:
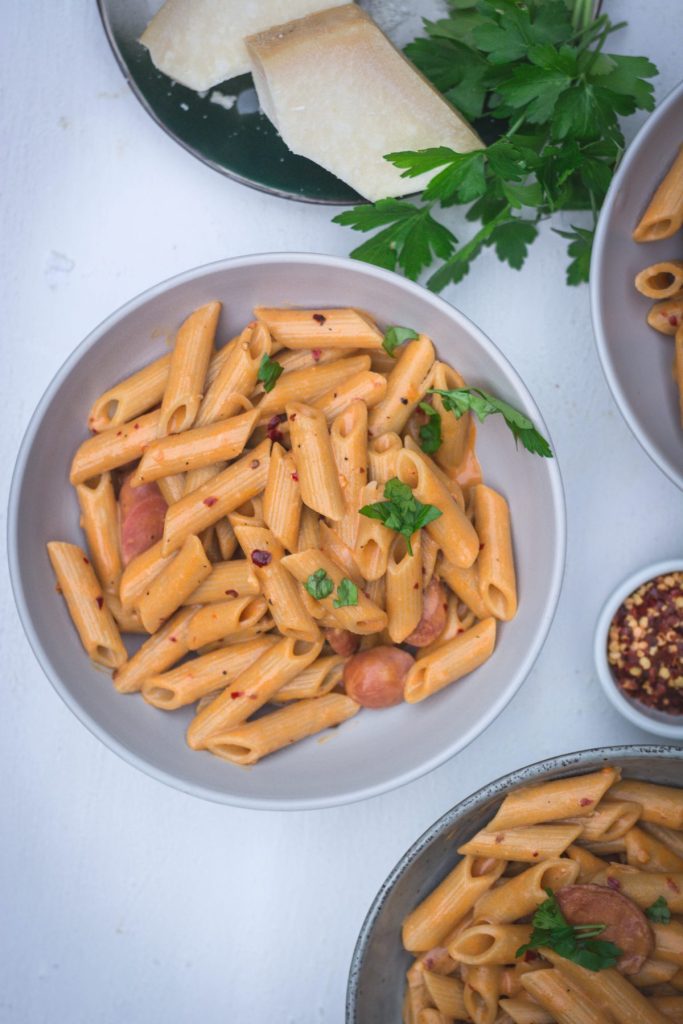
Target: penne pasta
[
  {"x": 158, "y": 653},
  {"x": 84, "y": 597},
  {"x": 464, "y": 583},
  {"x": 450, "y": 661},
  {"x": 489, "y": 944},
  {"x": 575, "y": 797},
  {"x": 100, "y": 523},
  {"x": 566, "y": 1002},
  {"x": 113, "y": 448},
  {"x": 139, "y": 573},
  {"x": 529, "y": 844},
  {"x": 282, "y": 498},
  {"x": 248, "y": 743},
  {"x": 131, "y": 397},
  {"x": 310, "y": 384},
  {"x": 495, "y": 564},
  {"x": 664, "y": 214},
  {"x": 195, "y": 449},
  {"x": 317, "y": 680},
  {"x": 363, "y": 617},
  {"x": 174, "y": 584},
  {"x": 315, "y": 465},
  {"x": 348, "y": 437},
  {"x": 667, "y": 316},
  {"x": 454, "y": 432},
  {"x": 661, "y": 805},
  {"x": 523, "y": 894},
  {"x": 320, "y": 328},
  {"x": 382, "y": 455},
  {"x": 172, "y": 488},
  {"x": 237, "y": 375},
  {"x": 407, "y": 385},
  {"x": 404, "y": 587},
  {"x": 371, "y": 553},
  {"x": 364, "y": 386},
  {"x": 661, "y": 280},
  {"x": 225, "y": 618},
  {"x": 226, "y": 580},
  {"x": 187, "y": 374}
]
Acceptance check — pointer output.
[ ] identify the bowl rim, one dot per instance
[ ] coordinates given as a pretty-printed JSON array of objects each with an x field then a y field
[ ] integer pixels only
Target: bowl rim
[
  {"x": 176, "y": 781},
  {"x": 597, "y": 270},
  {"x": 520, "y": 776},
  {"x": 630, "y": 708}
]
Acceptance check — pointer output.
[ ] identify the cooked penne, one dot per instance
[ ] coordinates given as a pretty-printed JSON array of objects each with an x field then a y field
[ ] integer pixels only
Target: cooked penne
[
  {"x": 437, "y": 915},
  {"x": 671, "y": 838},
  {"x": 452, "y": 531},
  {"x": 282, "y": 498},
  {"x": 172, "y": 487},
  {"x": 407, "y": 385},
  {"x": 248, "y": 743},
  {"x": 238, "y": 483},
  {"x": 348, "y": 437},
  {"x": 315, "y": 681},
  {"x": 226, "y": 580},
  {"x": 365, "y": 386},
  {"x": 464, "y": 583},
  {"x": 195, "y": 449},
  {"x": 495, "y": 564},
  {"x": 589, "y": 864},
  {"x": 196, "y": 478},
  {"x": 645, "y": 887},
  {"x": 189, "y": 364},
  {"x": 114, "y": 448},
  {"x": 195, "y": 679},
  {"x": 481, "y": 993},
  {"x": 575, "y": 797},
  {"x": 664, "y": 215},
  {"x": 332, "y": 545},
  {"x": 669, "y": 942},
  {"x": 404, "y": 587},
  {"x": 450, "y": 661},
  {"x": 566, "y": 1002},
  {"x": 610, "y": 821},
  {"x": 249, "y": 514},
  {"x": 430, "y": 554},
  {"x": 446, "y": 993},
  {"x": 607, "y": 991},
  {"x": 661, "y": 280},
  {"x": 309, "y": 530},
  {"x": 174, "y": 584},
  {"x": 374, "y": 540},
  {"x": 662, "y": 805},
  {"x": 237, "y": 375},
  {"x": 667, "y": 316},
  {"x": 139, "y": 573},
  {"x": 450, "y": 483},
  {"x": 321, "y": 328},
  {"x": 525, "y": 1010},
  {"x": 310, "y": 384},
  {"x": 529, "y": 844},
  {"x": 363, "y": 617},
  {"x": 278, "y": 586},
  {"x": 83, "y": 594},
  {"x": 454, "y": 432},
  {"x": 136, "y": 394},
  {"x": 307, "y": 358},
  {"x": 226, "y": 539},
  {"x": 100, "y": 523},
  {"x": 127, "y": 619},
  {"x": 382, "y": 455},
  {"x": 158, "y": 653},
  {"x": 315, "y": 465},
  {"x": 523, "y": 894},
  {"x": 225, "y": 618},
  {"x": 489, "y": 944},
  {"x": 251, "y": 689}
]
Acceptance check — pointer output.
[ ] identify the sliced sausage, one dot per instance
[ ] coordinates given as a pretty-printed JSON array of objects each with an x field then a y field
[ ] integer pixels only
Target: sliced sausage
[
  {"x": 142, "y": 510},
  {"x": 434, "y": 612},
  {"x": 342, "y": 641},
  {"x": 375, "y": 678},
  {"x": 626, "y": 924}
]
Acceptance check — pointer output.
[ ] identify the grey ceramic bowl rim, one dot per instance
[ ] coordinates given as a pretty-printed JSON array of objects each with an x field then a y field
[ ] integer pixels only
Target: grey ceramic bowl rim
[
  {"x": 530, "y": 773},
  {"x": 100, "y": 732},
  {"x": 669, "y": 726},
  {"x": 599, "y": 329}
]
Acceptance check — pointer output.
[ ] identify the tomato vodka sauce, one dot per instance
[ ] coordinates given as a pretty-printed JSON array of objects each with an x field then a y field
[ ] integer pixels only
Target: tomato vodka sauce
[{"x": 645, "y": 645}]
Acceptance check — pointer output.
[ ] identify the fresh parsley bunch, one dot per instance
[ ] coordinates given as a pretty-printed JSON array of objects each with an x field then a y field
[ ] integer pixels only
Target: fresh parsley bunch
[{"x": 538, "y": 73}]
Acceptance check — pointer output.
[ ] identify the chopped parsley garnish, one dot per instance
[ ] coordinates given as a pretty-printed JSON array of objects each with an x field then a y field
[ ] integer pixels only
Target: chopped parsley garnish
[
  {"x": 268, "y": 372},
  {"x": 401, "y": 511},
  {"x": 430, "y": 432},
  {"x": 347, "y": 594},
  {"x": 319, "y": 584},
  {"x": 395, "y": 336},
  {"x": 462, "y": 400},
  {"x": 659, "y": 911},
  {"x": 578, "y": 943}
]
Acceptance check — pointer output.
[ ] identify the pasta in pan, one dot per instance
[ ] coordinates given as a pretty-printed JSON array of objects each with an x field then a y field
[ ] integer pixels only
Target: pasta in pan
[
  {"x": 297, "y": 521},
  {"x": 533, "y": 928}
]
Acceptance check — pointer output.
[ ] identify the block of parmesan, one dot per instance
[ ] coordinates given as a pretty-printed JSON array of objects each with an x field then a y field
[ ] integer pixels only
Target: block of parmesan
[
  {"x": 200, "y": 43},
  {"x": 341, "y": 94}
]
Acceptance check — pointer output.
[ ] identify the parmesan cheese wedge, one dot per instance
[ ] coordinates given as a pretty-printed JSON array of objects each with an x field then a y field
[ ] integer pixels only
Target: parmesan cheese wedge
[
  {"x": 200, "y": 43},
  {"x": 341, "y": 94}
]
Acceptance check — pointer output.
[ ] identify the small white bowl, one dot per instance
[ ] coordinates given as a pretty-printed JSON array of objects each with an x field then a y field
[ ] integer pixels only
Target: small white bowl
[{"x": 659, "y": 722}]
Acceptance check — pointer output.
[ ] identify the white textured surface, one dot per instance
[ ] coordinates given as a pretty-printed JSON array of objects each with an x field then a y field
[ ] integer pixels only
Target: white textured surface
[{"x": 122, "y": 900}]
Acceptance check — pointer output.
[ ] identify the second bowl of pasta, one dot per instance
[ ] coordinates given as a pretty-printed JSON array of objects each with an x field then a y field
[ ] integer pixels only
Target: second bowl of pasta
[{"x": 314, "y": 496}]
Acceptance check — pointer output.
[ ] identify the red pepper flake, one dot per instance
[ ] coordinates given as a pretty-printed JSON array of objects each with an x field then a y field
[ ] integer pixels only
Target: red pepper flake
[
  {"x": 136, "y": 426},
  {"x": 613, "y": 883},
  {"x": 404, "y": 401},
  {"x": 319, "y": 318},
  {"x": 585, "y": 801},
  {"x": 534, "y": 853},
  {"x": 316, "y": 353},
  {"x": 254, "y": 464},
  {"x": 231, "y": 593},
  {"x": 118, "y": 433},
  {"x": 100, "y": 602},
  {"x": 295, "y": 477},
  {"x": 261, "y": 558},
  {"x": 416, "y": 586},
  {"x": 87, "y": 561},
  {"x": 272, "y": 426},
  {"x": 236, "y": 693},
  {"x": 672, "y": 885},
  {"x": 481, "y": 547},
  {"x": 500, "y": 838},
  {"x": 173, "y": 639},
  {"x": 209, "y": 502},
  {"x": 673, "y": 320},
  {"x": 292, "y": 417}
]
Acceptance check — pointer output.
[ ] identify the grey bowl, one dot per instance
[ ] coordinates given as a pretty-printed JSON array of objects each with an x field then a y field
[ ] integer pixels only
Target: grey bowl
[
  {"x": 375, "y": 751},
  {"x": 377, "y": 976},
  {"x": 635, "y": 358}
]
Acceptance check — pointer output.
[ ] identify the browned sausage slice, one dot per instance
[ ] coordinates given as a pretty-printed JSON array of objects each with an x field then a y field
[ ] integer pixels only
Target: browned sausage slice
[
  {"x": 142, "y": 512},
  {"x": 434, "y": 612},
  {"x": 626, "y": 924},
  {"x": 375, "y": 678},
  {"x": 342, "y": 641}
]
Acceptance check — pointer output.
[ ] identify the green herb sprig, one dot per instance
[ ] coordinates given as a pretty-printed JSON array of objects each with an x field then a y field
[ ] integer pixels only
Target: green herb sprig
[
  {"x": 347, "y": 594},
  {"x": 320, "y": 585},
  {"x": 578, "y": 943},
  {"x": 482, "y": 404},
  {"x": 395, "y": 336},
  {"x": 268, "y": 372},
  {"x": 401, "y": 511},
  {"x": 538, "y": 68},
  {"x": 430, "y": 432},
  {"x": 659, "y": 911}
]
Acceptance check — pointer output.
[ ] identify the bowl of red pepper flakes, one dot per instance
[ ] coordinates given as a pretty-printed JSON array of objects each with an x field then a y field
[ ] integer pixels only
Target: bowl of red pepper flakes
[{"x": 639, "y": 648}]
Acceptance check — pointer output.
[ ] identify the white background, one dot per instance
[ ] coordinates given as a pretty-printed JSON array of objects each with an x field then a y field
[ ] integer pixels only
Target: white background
[{"x": 122, "y": 900}]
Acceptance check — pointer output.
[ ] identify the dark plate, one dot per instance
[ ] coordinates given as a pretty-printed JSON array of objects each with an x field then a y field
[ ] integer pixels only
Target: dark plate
[{"x": 239, "y": 142}]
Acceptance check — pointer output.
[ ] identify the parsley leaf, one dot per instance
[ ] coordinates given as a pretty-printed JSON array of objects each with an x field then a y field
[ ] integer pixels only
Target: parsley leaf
[
  {"x": 347, "y": 594},
  {"x": 319, "y": 585},
  {"x": 578, "y": 943},
  {"x": 659, "y": 911},
  {"x": 268, "y": 372},
  {"x": 401, "y": 511},
  {"x": 580, "y": 249},
  {"x": 395, "y": 336},
  {"x": 462, "y": 400},
  {"x": 430, "y": 432}
]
